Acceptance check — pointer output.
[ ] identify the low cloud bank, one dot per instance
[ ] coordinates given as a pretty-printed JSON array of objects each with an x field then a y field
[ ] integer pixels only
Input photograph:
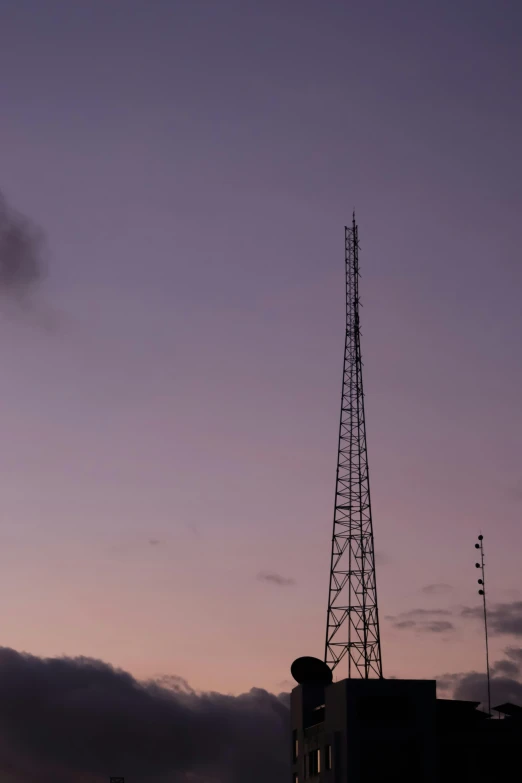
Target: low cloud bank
[
  {"x": 64, "y": 719},
  {"x": 506, "y": 682}
]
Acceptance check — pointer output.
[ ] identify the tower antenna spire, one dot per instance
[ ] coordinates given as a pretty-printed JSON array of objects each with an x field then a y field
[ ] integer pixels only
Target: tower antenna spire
[
  {"x": 352, "y": 627},
  {"x": 482, "y": 592}
]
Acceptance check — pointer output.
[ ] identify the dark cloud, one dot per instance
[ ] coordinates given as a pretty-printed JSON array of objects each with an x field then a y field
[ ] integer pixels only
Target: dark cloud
[
  {"x": 21, "y": 246},
  {"x": 154, "y": 541},
  {"x": 502, "y": 618},
  {"x": 515, "y": 653},
  {"x": 437, "y": 589},
  {"x": 276, "y": 579},
  {"x": 506, "y": 667},
  {"x": 422, "y": 620},
  {"x": 505, "y": 680},
  {"x": 22, "y": 269},
  {"x": 473, "y": 686},
  {"x": 511, "y": 664},
  {"x": 447, "y": 682},
  {"x": 79, "y": 719}
]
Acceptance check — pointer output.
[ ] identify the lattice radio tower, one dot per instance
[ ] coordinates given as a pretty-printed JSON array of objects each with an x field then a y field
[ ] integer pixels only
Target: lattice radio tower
[{"x": 353, "y": 621}]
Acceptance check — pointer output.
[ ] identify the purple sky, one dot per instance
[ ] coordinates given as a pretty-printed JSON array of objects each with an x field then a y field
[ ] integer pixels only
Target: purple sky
[{"x": 193, "y": 165}]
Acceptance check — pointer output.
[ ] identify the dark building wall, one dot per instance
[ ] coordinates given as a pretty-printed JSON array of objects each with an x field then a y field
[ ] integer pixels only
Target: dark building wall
[
  {"x": 480, "y": 752},
  {"x": 388, "y": 731},
  {"x": 377, "y": 730},
  {"x": 391, "y": 730}
]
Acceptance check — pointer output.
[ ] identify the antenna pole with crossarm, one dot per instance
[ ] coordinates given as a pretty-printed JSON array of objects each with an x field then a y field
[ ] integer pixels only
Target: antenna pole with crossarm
[{"x": 482, "y": 592}]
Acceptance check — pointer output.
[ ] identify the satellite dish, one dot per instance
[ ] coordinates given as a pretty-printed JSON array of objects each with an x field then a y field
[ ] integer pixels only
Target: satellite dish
[{"x": 311, "y": 671}]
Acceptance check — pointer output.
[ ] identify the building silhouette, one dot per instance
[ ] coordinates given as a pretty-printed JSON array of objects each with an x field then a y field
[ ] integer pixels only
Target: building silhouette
[{"x": 386, "y": 731}]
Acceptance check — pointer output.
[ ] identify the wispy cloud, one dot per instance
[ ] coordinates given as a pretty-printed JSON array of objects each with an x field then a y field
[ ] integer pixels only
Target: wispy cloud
[
  {"x": 422, "y": 620},
  {"x": 275, "y": 579},
  {"x": 428, "y": 612},
  {"x": 437, "y": 589},
  {"x": 417, "y": 613},
  {"x": 438, "y": 626}
]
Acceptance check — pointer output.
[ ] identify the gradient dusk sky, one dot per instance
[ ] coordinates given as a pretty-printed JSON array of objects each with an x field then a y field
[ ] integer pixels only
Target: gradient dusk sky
[{"x": 193, "y": 164}]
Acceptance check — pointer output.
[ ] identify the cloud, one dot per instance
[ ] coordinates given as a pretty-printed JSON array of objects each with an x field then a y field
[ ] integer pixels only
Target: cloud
[
  {"x": 422, "y": 620},
  {"x": 276, "y": 579},
  {"x": 437, "y": 589},
  {"x": 447, "y": 682},
  {"x": 511, "y": 664},
  {"x": 505, "y": 681},
  {"x": 474, "y": 612},
  {"x": 154, "y": 541},
  {"x": 21, "y": 245},
  {"x": 502, "y": 618},
  {"x": 433, "y": 626},
  {"x": 427, "y": 612},
  {"x": 439, "y": 626},
  {"x": 473, "y": 687},
  {"x": 506, "y": 667},
  {"x": 515, "y": 653},
  {"x": 79, "y": 719},
  {"x": 22, "y": 269}
]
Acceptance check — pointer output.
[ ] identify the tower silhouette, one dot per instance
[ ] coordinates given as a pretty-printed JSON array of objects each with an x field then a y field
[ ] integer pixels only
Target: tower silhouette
[{"x": 352, "y": 627}]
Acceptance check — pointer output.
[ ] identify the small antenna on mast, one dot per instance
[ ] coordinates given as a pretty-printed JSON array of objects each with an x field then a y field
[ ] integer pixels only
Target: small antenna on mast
[{"x": 482, "y": 592}]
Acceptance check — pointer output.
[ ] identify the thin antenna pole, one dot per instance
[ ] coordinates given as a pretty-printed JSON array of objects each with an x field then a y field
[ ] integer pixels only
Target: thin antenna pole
[{"x": 482, "y": 592}]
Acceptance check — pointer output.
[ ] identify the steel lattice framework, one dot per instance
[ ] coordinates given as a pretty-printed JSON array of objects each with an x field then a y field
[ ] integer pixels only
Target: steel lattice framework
[{"x": 353, "y": 621}]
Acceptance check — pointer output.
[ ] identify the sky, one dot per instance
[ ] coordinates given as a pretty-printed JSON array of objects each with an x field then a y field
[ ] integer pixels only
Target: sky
[{"x": 170, "y": 400}]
